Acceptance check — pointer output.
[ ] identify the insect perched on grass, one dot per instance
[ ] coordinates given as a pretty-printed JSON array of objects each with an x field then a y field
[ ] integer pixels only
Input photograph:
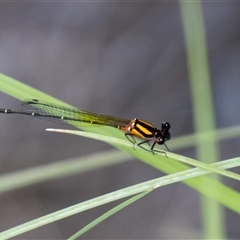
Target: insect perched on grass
[{"x": 132, "y": 128}]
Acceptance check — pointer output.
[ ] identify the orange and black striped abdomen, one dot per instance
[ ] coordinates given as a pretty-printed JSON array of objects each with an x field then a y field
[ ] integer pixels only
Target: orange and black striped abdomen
[{"x": 139, "y": 128}]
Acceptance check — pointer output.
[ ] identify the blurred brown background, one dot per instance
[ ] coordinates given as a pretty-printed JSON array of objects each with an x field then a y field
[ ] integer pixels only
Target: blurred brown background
[{"x": 121, "y": 59}]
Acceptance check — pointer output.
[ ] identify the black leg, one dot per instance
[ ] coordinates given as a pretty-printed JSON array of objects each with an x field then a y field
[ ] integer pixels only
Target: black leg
[
  {"x": 152, "y": 148},
  {"x": 143, "y": 142},
  {"x": 131, "y": 138}
]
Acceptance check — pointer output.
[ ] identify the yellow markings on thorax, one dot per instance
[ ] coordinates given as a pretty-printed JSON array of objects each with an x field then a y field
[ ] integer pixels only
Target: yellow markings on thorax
[
  {"x": 141, "y": 127},
  {"x": 138, "y": 128}
]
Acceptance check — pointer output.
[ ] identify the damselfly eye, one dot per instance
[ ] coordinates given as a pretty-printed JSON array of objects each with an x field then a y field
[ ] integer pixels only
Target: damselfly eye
[{"x": 165, "y": 126}]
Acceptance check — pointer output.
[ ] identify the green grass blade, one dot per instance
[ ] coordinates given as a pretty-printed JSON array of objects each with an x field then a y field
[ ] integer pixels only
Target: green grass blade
[
  {"x": 68, "y": 167},
  {"x": 108, "y": 214},
  {"x": 60, "y": 169},
  {"x": 11, "y": 181},
  {"x": 170, "y": 155},
  {"x": 203, "y": 108},
  {"x": 123, "y": 193},
  {"x": 22, "y": 91},
  {"x": 28, "y": 92}
]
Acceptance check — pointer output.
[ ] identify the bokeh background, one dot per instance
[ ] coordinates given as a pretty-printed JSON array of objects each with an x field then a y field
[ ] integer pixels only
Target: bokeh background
[{"x": 124, "y": 59}]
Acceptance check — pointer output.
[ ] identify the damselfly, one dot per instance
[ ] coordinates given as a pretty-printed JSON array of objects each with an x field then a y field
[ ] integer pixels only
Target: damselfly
[{"x": 73, "y": 116}]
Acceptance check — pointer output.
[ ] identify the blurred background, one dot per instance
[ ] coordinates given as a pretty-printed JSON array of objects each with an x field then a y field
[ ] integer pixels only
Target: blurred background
[{"x": 120, "y": 59}]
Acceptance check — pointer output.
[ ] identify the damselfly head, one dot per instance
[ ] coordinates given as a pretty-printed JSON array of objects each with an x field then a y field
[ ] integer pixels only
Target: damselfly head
[{"x": 163, "y": 135}]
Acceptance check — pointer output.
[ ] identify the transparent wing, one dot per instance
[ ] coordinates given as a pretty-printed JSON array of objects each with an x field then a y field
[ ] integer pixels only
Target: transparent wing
[{"x": 73, "y": 116}]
